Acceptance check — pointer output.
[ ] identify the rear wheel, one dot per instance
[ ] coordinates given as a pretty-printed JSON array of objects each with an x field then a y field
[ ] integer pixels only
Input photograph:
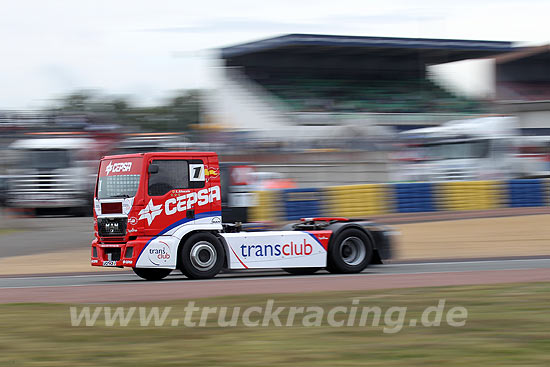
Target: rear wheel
[
  {"x": 350, "y": 252},
  {"x": 152, "y": 273},
  {"x": 301, "y": 271},
  {"x": 202, "y": 256}
]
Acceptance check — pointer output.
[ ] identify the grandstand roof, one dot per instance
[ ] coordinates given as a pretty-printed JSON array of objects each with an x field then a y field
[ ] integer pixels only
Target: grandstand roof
[
  {"x": 542, "y": 52},
  {"x": 436, "y": 50}
]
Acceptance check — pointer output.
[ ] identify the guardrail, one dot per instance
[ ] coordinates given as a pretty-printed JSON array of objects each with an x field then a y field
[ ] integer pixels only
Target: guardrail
[{"x": 376, "y": 199}]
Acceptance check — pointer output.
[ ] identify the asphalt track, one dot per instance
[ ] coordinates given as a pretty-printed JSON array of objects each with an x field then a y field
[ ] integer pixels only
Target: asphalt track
[
  {"x": 48, "y": 234},
  {"x": 127, "y": 287}
]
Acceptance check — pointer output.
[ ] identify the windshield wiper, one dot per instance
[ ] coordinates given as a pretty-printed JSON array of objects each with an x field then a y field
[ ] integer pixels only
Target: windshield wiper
[{"x": 125, "y": 196}]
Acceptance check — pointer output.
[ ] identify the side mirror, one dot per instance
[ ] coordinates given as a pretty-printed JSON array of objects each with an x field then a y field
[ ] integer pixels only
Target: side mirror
[{"x": 153, "y": 168}]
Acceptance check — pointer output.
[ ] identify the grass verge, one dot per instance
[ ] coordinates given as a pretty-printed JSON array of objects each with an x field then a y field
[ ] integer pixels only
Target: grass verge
[
  {"x": 506, "y": 325},
  {"x": 4, "y": 231}
]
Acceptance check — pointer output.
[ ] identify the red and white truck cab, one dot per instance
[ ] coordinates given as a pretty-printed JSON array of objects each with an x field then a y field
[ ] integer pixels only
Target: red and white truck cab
[{"x": 155, "y": 212}]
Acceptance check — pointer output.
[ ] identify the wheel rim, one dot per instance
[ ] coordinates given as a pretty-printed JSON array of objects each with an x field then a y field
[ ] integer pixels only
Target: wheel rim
[
  {"x": 203, "y": 255},
  {"x": 352, "y": 251}
]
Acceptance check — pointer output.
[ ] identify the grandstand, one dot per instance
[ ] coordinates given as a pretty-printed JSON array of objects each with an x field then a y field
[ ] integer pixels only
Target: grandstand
[
  {"x": 524, "y": 75},
  {"x": 349, "y": 94},
  {"x": 522, "y": 84},
  {"x": 320, "y": 79}
]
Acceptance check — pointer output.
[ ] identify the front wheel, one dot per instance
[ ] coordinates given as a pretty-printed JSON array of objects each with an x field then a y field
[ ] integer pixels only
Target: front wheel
[
  {"x": 202, "y": 256},
  {"x": 152, "y": 273},
  {"x": 350, "y": 252}
]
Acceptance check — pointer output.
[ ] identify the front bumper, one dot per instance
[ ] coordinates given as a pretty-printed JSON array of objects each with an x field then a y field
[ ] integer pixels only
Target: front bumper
[{"x": 117, "y": 254}]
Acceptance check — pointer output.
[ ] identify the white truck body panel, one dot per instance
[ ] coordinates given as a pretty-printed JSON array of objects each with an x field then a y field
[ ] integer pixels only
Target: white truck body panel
[{"x": 277, "y": 249}]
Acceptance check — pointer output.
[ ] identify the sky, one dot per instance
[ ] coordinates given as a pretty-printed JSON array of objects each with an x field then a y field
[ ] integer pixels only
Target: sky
[{"x": 146, "y": 50}]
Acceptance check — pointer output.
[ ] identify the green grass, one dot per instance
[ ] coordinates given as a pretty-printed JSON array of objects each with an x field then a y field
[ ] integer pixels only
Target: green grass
[
  {"x": 7, "y": 231},
  {"x": 507, "y": 325}
]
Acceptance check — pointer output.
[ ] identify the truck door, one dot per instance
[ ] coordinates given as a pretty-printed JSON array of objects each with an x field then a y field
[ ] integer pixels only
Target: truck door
[
  {"x": 172, "y": 194},
  {"x": 204, "y": 181},
  {"x": 198, "y": 198}
]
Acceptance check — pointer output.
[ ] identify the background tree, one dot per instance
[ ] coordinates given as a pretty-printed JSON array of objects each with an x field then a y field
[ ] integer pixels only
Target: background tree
[{"x": 176, "y": 114}]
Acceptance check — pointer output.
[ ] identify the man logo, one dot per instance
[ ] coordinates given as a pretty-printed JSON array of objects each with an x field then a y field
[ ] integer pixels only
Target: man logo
[{"x": 111, "y": 227}]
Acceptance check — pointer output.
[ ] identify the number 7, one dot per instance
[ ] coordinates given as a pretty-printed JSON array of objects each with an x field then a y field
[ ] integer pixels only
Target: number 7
[{"x": 197, "y": 173}]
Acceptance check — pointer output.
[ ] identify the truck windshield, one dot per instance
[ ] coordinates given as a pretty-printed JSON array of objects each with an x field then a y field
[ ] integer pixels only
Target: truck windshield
[
  {"x": 120, "y": 186},
  {"x": 118, "y": 177},
  {"x": 458, "y": 150},
  {"x": 46, "y": 159}
]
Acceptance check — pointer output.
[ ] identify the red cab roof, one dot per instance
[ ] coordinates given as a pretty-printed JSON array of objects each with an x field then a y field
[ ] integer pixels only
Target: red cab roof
[{"x": 162, "y": 155}]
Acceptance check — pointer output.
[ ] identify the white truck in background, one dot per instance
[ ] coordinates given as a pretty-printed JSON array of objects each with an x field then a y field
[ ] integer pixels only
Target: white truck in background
[
  {"x": 534, "y": 155},
  {"x": 476, "y": 149},
  {"x": 52, "y": 175}
]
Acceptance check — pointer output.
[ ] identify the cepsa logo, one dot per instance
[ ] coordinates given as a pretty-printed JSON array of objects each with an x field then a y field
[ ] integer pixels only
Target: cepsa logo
[
  {"x": 118, "y": 167},
  {"x": 180, "y": 204},
  {"x": 159, "y": 254},
  {"x": 268, "y": 250}
]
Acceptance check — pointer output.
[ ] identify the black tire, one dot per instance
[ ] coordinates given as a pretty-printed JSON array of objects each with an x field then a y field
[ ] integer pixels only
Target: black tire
[
  {"x": 81, "y": 211},
  {"x": 152, "y": 273},
  {"x": 301, "y": 271},
  {"x": 202, "y": 256},
  {"x": 351, "y": 252}
]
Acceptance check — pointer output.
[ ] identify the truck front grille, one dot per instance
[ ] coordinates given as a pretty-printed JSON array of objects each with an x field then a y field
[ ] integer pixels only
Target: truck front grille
[
  {"x": 44, "y": 183},
  {"x": 454, "y": 175},
  {"x": 112, "y": 227},
  {"x": 45, "y": 190}
]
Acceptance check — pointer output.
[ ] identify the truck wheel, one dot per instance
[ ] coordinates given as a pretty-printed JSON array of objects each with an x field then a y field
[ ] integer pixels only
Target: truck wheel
[
  {"x": 81, "y": 211},
  {"x": 202, "y": 256},
  {"x": 151, "y": 273},
  {"x": 350, "y": 252},
  {"x": 301, "y": 271}
]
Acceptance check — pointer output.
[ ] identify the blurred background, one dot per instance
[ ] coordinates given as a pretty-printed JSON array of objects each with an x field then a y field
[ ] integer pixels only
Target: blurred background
[
  {"x": 455, "y": 116},
  {"x": 429, "y": 116}
]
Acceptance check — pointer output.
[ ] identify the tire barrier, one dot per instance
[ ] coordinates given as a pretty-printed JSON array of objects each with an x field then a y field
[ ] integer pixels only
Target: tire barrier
[
  {"x": 360, "y": 201},
  {"x": 267, "y": 208},
  {"x": 414, "y": 197},
  {"x": 524, "y": 193},
  {"x": 357, "y": 201},
  {"x": 301, "y": 203},
  {"x": 470, "y": 195}
]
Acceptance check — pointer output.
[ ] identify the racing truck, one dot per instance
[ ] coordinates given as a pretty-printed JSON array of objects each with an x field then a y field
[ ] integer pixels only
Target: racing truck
[
  {"x": 52, "y": 175},
  {"x": 157, "y": 212}
]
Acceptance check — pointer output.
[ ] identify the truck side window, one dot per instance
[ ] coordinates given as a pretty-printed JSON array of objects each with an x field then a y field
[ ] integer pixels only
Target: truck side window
[{"x": 172, "y": 174}]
